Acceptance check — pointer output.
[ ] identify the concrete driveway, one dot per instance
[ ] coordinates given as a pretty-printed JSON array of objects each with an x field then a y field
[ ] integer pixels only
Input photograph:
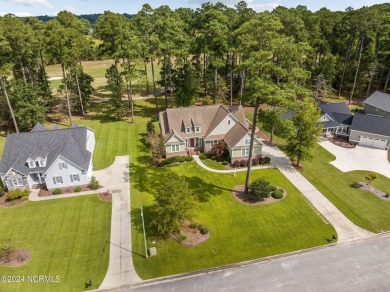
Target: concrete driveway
[{"x": 359, "y": 158}]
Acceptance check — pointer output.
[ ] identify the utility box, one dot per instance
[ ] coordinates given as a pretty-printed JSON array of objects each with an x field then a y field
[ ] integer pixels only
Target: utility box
[{"x": 153, "y": 251}]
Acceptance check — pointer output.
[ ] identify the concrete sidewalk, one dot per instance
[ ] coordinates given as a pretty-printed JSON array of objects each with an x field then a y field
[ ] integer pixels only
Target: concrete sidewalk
[{"x": 346, "y": 230}]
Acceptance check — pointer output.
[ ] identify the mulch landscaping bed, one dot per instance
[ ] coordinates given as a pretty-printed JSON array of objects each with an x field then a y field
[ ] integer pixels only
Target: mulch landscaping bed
[
  {"x": 342, "y": 142},
  {"x": 239, "y": 194},
  {"x": 192, "y": 235},
  {"x": 380, "y": 194},
  {"x": 14, "y": 203},
  {"x": 106, "y": 196},
  {"x": 18, "y": 258},
  {"x": 65, "y": 191}
]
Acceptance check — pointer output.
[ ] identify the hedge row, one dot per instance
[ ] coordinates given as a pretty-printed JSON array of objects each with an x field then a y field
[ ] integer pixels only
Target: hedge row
[
  {"x": 175, "y": 159},
  {"x": 255, "y": 161}
]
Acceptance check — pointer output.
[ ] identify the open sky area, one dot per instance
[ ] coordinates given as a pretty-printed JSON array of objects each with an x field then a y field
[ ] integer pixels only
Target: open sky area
[{"x": 52, "y": 7}]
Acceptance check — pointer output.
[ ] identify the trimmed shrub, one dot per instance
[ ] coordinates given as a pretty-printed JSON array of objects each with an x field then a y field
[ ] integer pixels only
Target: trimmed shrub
[
  {"x": 57, "y": 192},
  {"x": 259, "y": 189},
  {"x": 24, "y": 198},
  {"x": 237, "y": 163},
  {"x": 94, "y": 183},
  {"x": 182, "y": 159},
  {"x": 244, "y": 163},
  {"x": 189, "y": 158},
  {"x": 273, "y": 188},
  {"x": 202, "y": 156},
  {"x": 17, "y": 194},
  {"x": 219, "y": 159},
  {"x": 77, "y": 189},
  {"x": 193, "y": 225},
  {"x": 209, "y": 155},
  {"x": 267, "y": 160},
  {"x": 255, "y": 161},
  {"x": 225, "y": 162},
  {"x": 2, "y": 191},
  {"x": 202, "y": 229},
  {"x": 278, "y": 194},
  {"x": 213, "y": 157}
]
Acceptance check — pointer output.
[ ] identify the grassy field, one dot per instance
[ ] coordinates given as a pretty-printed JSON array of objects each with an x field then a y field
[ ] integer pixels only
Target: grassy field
[
  {"x": 97, "y": 69},
  {"x": 67, "y": 237},
  {"x": 238, "y": 232}
]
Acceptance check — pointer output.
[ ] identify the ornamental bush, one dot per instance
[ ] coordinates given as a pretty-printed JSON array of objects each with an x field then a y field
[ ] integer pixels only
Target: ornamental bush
[
  {"x": 57, "y": 192},
  {"x": 278, "y": 194},
  {"x": 77, "y": 189},
  {"x": 94, "y": 183},
  {"x": 255, "y": 161},
  {"x": 189, "y": 158},
  {"x": 259, "y": 189},
  {"x": 182, "y": 159},
  {"x": 267, "y": 160},
  {"x": 237, "y": 163},
  {"x": 244, "y": 163},
  {"x": 17, "y": 194},
  {"x": 202, "y": 156},
  {"x": 225, "y": 162},
  {"x": 2, "y": 191},
  {"x": 202, "y": 229}
]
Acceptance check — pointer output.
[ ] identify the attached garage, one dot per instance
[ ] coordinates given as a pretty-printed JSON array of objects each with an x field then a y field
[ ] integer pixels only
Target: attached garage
[
  {"x": 371, "y": 131},
  {"x": 373, "y": 142}
]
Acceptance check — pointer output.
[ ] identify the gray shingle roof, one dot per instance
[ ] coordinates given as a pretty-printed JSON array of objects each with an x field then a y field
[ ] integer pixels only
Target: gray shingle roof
[
  {"x": 339, "y": 107},
  {"x": 380, "y": 100},
  {"x": 371, "y": 124},
  {"x": 39, "y": 128},
  {"x": 69, "y": 143}
]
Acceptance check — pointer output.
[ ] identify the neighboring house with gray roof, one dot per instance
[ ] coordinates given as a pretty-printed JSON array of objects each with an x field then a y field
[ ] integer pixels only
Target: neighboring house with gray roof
[
  {"x": 336, "y": 118},
  {"x": 56, "y": 158},
  {"x": 378, "y": 104},
  {"x": 371, "y": 131},
  {"x": 203, "y": 127}
]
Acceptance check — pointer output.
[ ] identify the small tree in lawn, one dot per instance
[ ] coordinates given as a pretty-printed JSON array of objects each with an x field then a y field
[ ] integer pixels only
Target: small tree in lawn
[
  {"x": 219, "y": 149},
  {"x": 304, "y": 137},
  {"x": 371, "y": 177},
  {"x": 259, "y": 189},
  {"x": 7, "y": 246},
  {"x": 94, "y": 183},
  {"x": 174, "y": 202},
  {"x": 156, "y": 144},
  {"x": 150, "y": 129}
]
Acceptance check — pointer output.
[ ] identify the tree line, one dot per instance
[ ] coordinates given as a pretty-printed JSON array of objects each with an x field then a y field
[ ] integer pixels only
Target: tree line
[{"x": 231, "y": 55}]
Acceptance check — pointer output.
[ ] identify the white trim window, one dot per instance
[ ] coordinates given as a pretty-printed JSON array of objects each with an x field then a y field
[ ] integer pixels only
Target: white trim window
[
  {"x": 197, "y": 129},
  {"x": 214, "y": 142},
  {"x": 188, "y": 130},
  {"x": 74, "y": 177},
  {"x": 63, "y": 165},
  {"x": 17, "y": 182},
  {"x": 247, "y": 141},
  {"x": 175, "y": 148},
  {"x": 57, "y": 180},
  {"x": 31, "y": 164},
  {"x": 245, "y": 152}
]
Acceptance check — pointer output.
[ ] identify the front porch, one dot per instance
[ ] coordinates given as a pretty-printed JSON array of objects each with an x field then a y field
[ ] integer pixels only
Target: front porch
[{"x": 337, "y": 131}]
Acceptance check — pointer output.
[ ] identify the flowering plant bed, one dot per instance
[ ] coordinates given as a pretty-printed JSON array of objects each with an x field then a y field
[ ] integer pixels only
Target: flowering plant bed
[
  {"x": 5, "y": 203},
  {"x": 367, "y": 187},
  {"x": 17, "y": 258},
  {"x": 239, "y": 194},
  {"x": 191, "y": 234}
]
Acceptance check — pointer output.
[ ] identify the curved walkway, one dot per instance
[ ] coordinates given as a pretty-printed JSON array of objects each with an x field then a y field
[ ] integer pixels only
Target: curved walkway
[
  {"x": 116, "y": 180},
  {"x": 346, "y": 230}
]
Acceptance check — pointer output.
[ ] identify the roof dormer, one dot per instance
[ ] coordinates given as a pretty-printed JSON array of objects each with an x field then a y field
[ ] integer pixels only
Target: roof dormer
[
  {"x": 41, "y": 162},
  {"x": 31, "y": 163}
]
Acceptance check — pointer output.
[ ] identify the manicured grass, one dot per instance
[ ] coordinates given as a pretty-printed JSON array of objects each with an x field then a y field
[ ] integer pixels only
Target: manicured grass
[
  {"x": 238, "y": 232},
  {"x": 97, "y": 69},
  {"x": 2, "y": 144},
  {"x": 361, "y": 207},
  {"x": 67, "y": 237},
  {"x": 213, "y": 164}
]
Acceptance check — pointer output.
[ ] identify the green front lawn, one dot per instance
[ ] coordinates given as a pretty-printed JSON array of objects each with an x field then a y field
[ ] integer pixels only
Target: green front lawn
[
  {"x": 238, "y": 232},
  {"x": 67, "y": 237},
  {"x": 361, "y": 207},
  {"x": 214, "y": 164}
]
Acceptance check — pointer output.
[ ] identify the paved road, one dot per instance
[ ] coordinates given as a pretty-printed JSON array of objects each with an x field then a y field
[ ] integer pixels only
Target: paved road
[{"x": 353, "y": 266}]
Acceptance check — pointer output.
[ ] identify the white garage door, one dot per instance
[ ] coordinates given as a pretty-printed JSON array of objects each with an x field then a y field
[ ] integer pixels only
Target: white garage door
[{"x": 371, "y": 142}]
